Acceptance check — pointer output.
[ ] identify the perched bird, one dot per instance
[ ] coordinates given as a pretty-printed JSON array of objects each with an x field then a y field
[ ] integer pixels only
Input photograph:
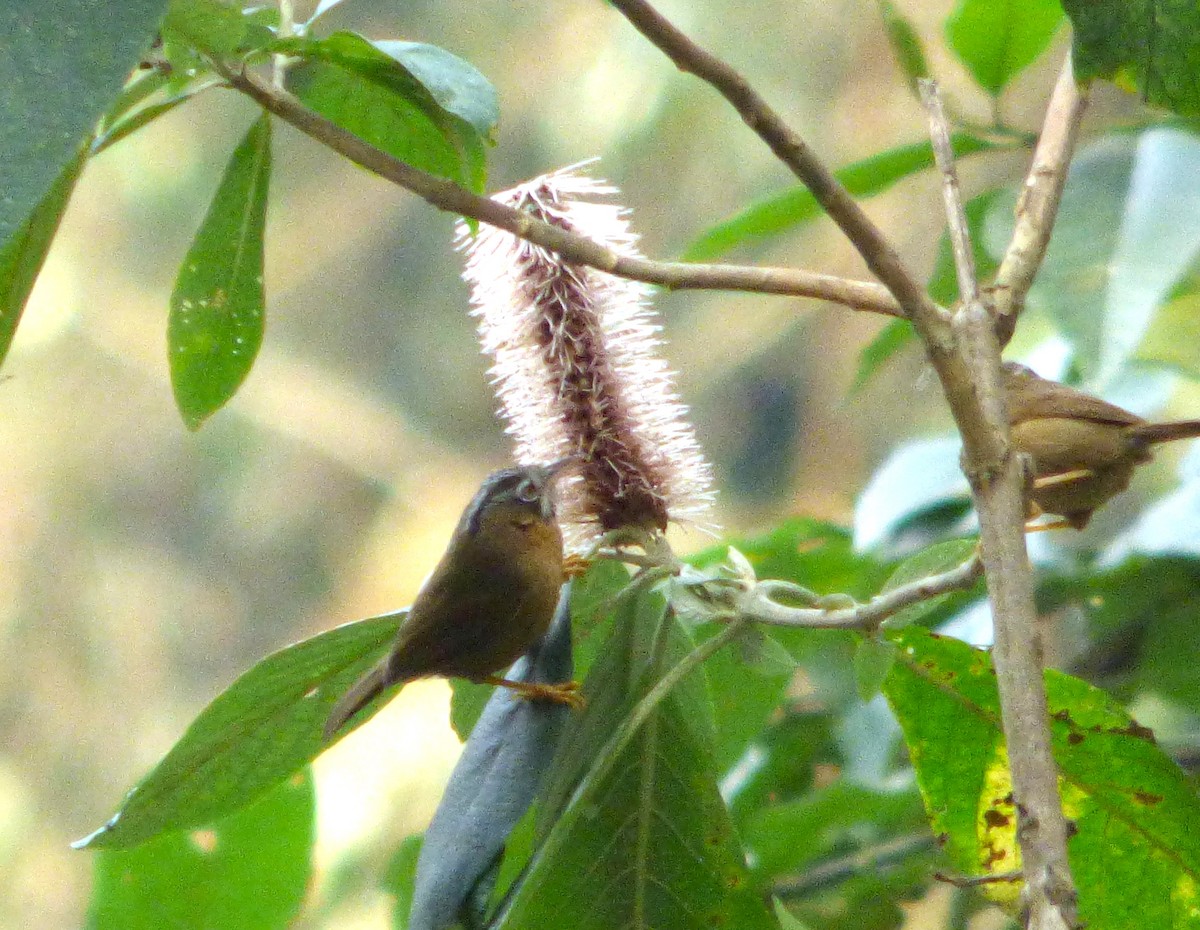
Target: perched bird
[
  {"x": 489, "y": 599},
  {"x": 1084, "y": 449}
]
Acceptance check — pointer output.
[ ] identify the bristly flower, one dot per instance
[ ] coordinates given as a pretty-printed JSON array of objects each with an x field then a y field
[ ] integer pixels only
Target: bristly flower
[{"x": 575, "y": 365}]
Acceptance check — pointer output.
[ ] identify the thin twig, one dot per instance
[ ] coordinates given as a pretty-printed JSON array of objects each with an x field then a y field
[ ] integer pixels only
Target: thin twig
[
  {"x": 1038, "y": 205},
  {"x": 448, "y": 196},
  {"x": 943, "y": 152},
  {"x": 978, "y": 881},
  {"x": 871, "y": 860},
  {"x": 759, "y": 604},
  {"x": 999, "y": 492}
]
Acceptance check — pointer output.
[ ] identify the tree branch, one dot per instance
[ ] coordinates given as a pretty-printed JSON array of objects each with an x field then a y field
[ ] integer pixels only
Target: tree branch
[
  {"x": 932, "y": 323},
  {"x": 1038, "y": 205},
  {"x": 789, "y": 148},
  {"x": 999, "y": 490},
  {"x": 448, "y": 196}
]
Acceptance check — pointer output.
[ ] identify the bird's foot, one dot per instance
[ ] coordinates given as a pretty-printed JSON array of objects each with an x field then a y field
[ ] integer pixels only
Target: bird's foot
[
  {"x": 575, "y": 565},
  {"x": 1060, "y": 524},
  {"x": 566, "y": 692},
  {"x": 1066, "y": 477}
]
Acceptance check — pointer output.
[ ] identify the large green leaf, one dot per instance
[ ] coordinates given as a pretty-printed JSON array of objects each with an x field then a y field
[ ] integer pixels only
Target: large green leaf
[
  {"x": 248, "y": 871},
  {"x": 417, "y": 102},
  {"x": 644, "y": 839},
  {"x": 62, "y": 66},
  {"x": 267, "y": 725},
  {"x": 781, "y": 212},
  {"x": 1148, "y": 46},
  {"x": 996, "y": 39},
  {"x": 1136, "y": 850},
  {"x": 22, "y": 256},
  {"x": 218, "y": 305}
]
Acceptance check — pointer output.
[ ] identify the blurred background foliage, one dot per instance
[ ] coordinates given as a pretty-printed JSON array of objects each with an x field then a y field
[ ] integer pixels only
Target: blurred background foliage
[{"x": 145, "y": 566}]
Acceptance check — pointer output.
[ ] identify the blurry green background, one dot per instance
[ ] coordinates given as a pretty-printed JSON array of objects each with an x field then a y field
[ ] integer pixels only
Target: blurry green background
[{"x": 142, "y": 567}]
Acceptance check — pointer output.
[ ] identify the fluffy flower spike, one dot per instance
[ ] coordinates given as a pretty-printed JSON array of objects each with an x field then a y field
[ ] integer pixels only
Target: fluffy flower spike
[{"x": 576, "y": 368}]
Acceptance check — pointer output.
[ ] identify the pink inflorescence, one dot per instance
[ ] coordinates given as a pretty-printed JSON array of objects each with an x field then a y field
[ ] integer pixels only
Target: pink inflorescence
[{"x": 575, "y": 365}]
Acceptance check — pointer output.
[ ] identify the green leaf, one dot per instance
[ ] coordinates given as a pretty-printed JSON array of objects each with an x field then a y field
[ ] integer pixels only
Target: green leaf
[
  {"x": 217, "y": 308},
  {"x": 418, "y": 103},
  {"x": 1146, "y": 46},
  {"x": 22, "y": 256},
  {"x": 938, "y": 558},
  {"x": 216, "y": 28},
  {"x": 457, "y": 85},
  {"x": 943, "y": 288},
  {"x": 400, "y": 877},
  {"x": 1173, "y": 336},
  {"x": 1128, "y": 232},
  {"x": 872, "y": 662},
  {"x": 905, "y": 43},
  {"x": 996, "y": 39},
  {"x": 61, "y": 68},
  {"x": 267, "y": 725},
  {"x": 781, "y": 212},
  {"x": 790, "y": 836},
  {"x": 249, "y": 871},
  {"x": 644, "y": 839},
  {"x": 1141, "y": 617},
  {"x": 1136, "y": 852},
  {"x": 943, "y": 282},
  {"x": 894, "y": 336}
]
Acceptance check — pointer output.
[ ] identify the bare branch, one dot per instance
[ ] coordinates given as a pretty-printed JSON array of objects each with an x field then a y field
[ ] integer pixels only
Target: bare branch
[
  {"x": 789, "y": 148},
  {"x": 448, "y": 196},
  {"x": 998, "y": 485},
  {"x": 956, "y": 214},
  {"x": 759, "y": 605},
  {"x": 1038, "y": 206}
]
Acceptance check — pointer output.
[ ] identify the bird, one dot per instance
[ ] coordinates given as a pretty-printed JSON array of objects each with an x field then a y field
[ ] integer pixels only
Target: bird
[
  {"x": 490, "y": 598},
  {"x": 1084, "y": 449}
]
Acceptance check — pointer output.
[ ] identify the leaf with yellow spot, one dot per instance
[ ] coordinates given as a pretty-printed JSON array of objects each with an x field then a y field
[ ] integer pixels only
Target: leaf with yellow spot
[{"x": 1135, "y": 852}]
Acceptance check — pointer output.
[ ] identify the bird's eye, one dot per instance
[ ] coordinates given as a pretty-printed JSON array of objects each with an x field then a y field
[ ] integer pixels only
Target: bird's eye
[{"x": 527, "y": 492}]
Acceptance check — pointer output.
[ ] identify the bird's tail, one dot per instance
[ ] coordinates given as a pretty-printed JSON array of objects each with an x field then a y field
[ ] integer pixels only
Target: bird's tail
[
  {"x": 1165, "y": 432},
  {"x": 359, "y": 696}
]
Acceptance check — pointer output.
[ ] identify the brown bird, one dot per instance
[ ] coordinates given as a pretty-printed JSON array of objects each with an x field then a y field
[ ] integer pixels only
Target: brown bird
[
  {"x": 489, "y": 599},
  {"x": 1084, "y": 449}
]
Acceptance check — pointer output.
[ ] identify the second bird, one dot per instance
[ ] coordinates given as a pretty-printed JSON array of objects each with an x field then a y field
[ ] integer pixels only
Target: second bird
[
  {"x": 490, "y": 598},
  {"x": 1084, "y": 449}
]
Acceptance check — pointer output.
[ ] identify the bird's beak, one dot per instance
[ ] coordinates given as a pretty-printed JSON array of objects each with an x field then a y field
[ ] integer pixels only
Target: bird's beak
[
  {"x": 549, "y": 473},
  {"x": 562, "y": 464}
]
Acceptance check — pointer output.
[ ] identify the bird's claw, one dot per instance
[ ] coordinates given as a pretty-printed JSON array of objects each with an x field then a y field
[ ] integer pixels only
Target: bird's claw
[{"x": 566, "y": 692}]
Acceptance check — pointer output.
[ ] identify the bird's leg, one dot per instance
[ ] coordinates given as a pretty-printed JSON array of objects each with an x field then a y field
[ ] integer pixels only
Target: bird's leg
[
  {"x": 565, "y": 693},
  {"x": 1033, "y": 511},
  {"x": 1059, "y": 524},
  {"x": 575, "y": 565},
  {"x": 1066, "y": 477}
]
